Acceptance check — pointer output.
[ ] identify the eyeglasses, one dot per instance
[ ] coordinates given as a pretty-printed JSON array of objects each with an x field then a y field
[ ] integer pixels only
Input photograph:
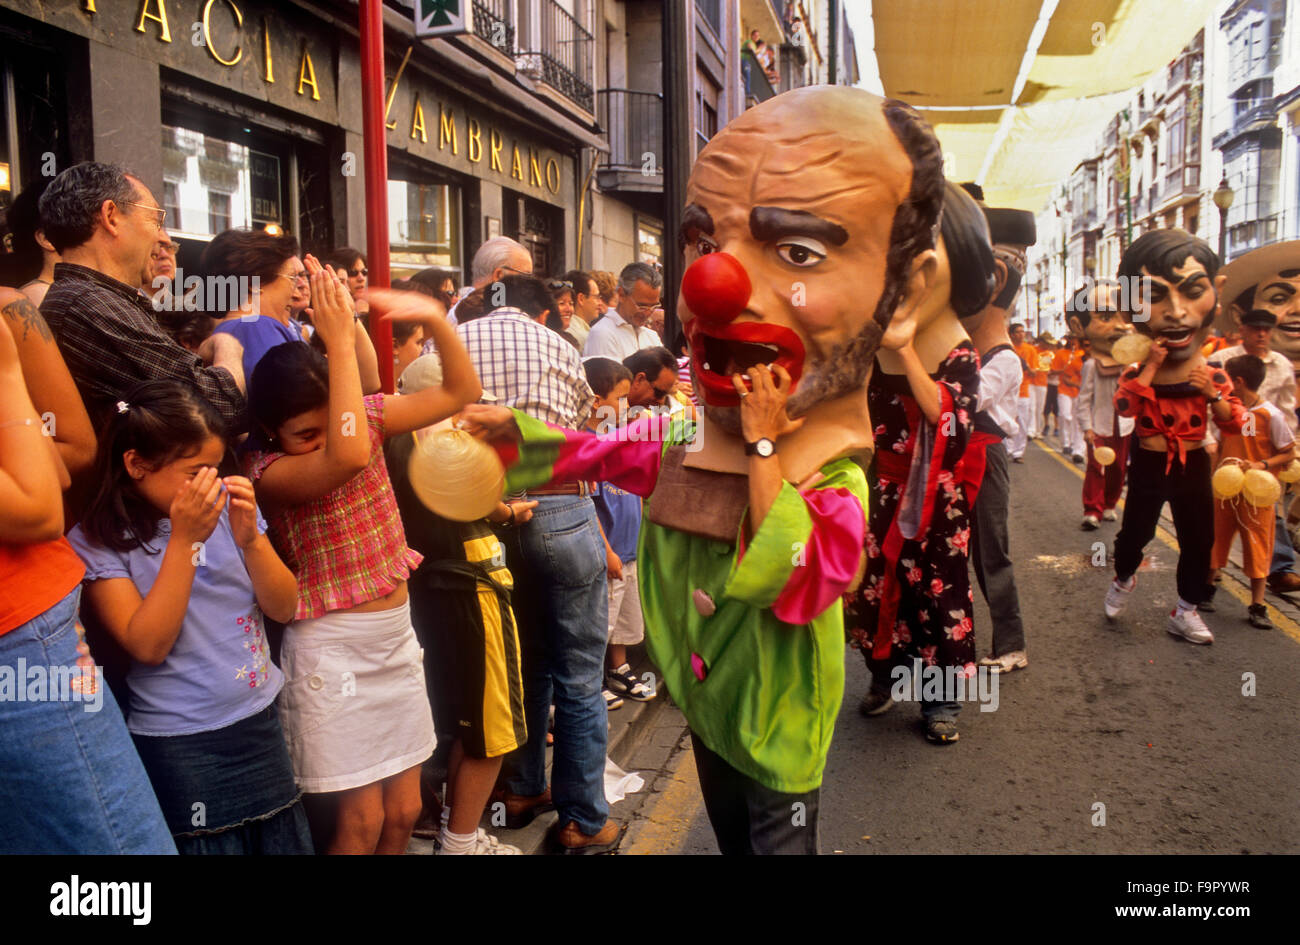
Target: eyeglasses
[
  {"x": 518, "y": 272},
  {"x": 295, "y": 277},
  {"x": 166, "y": 248},
  {"x": 161, "y": 211},
  {"x": 555, "y": 285},
  {"x": 644, "y": 308},
  {"x": 359, "y": 273}
]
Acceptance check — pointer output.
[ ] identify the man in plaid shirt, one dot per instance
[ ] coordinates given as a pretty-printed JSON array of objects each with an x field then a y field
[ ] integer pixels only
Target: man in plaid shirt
[
  {"x": 558, "y": 562},
  {"x": 104, "y": 223}
]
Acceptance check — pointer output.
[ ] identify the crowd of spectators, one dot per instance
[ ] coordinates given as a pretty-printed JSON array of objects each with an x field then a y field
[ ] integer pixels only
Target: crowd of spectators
[{"x": 199, "y": 512}]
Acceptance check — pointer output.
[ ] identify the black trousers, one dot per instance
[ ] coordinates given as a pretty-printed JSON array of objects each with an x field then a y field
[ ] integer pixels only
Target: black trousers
[
  {"x": 748, "y": 818},
  {"x": 1187, "y": 490}
]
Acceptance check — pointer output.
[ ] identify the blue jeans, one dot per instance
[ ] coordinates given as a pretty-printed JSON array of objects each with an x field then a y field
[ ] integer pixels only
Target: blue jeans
[
  {"x": 560, "y": 604},
  {"x": 70, "y": 778},
  {"x": 1283, "y": 553}
]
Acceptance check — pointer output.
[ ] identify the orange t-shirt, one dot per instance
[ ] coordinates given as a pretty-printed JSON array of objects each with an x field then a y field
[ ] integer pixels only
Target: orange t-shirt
[
  {"x": 33, "y": 578},
  {"x": 1041, "y": 364},
  {"x": 1070, "y": 364},
  {"x": 1029, "y": 357}
]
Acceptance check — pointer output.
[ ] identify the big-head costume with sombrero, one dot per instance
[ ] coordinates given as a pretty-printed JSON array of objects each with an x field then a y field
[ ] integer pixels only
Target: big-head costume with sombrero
[
  {"x": 810, "y": 222},
  {"x": 1268, "y": 279},
  {"x": 1262, "y": 287}
]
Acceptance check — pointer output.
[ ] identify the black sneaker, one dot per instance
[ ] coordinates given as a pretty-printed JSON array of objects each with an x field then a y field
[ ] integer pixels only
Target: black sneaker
[
  {"x": 622, "y": 682},
  {"x": 941, "y": 731},
  {"x": 1258, "y": 616}
]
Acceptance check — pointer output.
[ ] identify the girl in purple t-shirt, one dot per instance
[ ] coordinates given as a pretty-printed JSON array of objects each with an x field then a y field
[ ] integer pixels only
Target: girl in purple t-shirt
[{"x": 180, "y": 572}]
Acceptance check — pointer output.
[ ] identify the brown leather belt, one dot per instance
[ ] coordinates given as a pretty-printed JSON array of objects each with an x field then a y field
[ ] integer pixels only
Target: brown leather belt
[{"x": 566, "y": 488}]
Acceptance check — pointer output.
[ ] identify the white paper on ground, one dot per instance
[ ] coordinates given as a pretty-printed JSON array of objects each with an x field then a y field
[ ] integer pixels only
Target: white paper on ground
[{"x": 620, "y": 783}]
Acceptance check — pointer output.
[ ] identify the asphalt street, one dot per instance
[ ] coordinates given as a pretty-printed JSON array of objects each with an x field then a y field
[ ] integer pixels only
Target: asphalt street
[{"x": 1187, "y": 749}]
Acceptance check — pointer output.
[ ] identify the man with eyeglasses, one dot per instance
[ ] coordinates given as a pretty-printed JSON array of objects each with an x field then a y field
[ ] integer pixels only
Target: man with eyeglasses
[
  {"x": 623, "y": 330},
  {"x": 104, "y": 222},
  {"x": 161, "y": 265},
  {"x": 495, "y": 259},
  {"x": 654, "y": 378}
]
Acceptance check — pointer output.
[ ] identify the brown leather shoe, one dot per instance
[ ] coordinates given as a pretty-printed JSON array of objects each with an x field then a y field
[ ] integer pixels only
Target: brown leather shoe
[
  {"x": 570, "y": 840},
  {"x": 1285, "y": 582},
  {"x": 522, "y": 810}
]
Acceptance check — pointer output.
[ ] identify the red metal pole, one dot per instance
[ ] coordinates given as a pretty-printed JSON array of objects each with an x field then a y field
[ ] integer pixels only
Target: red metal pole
[{"x": 376, "y": 169}]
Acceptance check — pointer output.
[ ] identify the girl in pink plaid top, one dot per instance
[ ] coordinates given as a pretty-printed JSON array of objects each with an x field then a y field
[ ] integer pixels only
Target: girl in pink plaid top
[{"x": 354, "y": 707}]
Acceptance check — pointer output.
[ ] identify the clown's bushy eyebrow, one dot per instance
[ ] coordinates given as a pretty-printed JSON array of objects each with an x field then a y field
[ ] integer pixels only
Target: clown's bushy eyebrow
[
  {"x": 694, "y": 217},
  {"x": 771, "y": 223}
]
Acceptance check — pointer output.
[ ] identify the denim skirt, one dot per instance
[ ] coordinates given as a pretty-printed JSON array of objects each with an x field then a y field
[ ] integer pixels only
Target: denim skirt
[{"x": 228, "y": 791}]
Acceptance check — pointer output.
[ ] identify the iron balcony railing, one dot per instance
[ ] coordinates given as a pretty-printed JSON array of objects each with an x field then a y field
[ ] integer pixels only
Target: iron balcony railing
[
  {"x": 634, "y": 125},
  {"x": 757, "y": 87},
  {"x": 493, "y": 22},
  {"x": 560, "y": 52}
]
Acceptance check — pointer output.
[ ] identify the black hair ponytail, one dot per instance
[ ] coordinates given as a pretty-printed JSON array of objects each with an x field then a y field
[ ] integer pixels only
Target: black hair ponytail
[{"x": 160, "y": 420}]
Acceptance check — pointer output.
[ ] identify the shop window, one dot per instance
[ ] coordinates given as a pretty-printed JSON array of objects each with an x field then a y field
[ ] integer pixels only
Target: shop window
[
  {"x": 423, "y": 226},
  {"x": 211, "y": 184}
]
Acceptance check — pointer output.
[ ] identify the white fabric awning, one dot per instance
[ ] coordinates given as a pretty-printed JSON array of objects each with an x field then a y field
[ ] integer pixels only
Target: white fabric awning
[{"x": 1016, "y": 102}]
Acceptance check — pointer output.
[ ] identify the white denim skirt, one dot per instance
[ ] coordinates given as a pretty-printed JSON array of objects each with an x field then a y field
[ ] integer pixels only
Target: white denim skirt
[{"x": 354, "y": 707}]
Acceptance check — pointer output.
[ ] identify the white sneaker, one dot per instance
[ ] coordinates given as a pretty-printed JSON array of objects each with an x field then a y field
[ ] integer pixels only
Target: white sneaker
[
  {"x": 1117, "y": 597},
  {"x": 1089, "y": 523},
  {"x": 487, "y": 845},
  {"x": 1109, "y": 515},
  {"x": 1189, "y": 625}
]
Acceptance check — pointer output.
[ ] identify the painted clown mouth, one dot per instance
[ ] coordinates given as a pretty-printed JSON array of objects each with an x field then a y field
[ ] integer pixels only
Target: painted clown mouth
[
  {"x": 718, "y": 352},
  {"x": 1290, "y": 328},
  {"x": 1176, "y": 337}
]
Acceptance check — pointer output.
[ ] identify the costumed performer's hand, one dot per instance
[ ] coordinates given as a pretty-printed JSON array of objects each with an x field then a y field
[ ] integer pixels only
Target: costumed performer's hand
[
  {"x": 762, "y": 411},
  {"x": 1156, "y": 356},
  {"x": 1202, "y": 379},
  {"x": 488, "y": 422}
]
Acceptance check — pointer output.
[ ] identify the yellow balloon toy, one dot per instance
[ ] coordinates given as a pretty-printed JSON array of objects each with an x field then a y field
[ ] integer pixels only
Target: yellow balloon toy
[
  {"x": 1261, "y": 488},
  {"x": 454, "y": 474},
  {"x": 1227, "y": 481},
  {"x": 1131, "y": 349}
]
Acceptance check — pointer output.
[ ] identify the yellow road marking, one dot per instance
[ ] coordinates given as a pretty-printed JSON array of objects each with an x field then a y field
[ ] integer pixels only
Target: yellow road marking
[
  {"x": 1280, "y": 620},
  {"x": 670, "y": 818}
]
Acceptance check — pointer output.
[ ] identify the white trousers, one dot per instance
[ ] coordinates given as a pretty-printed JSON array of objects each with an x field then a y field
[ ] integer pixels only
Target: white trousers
[
  {"x": 1037, "y": 398},
  {"x": 1071, "y": 435},
  {"x": 1020, "y": 439}
]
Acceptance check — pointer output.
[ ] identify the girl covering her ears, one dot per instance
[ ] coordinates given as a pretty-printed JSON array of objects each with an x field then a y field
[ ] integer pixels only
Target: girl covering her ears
[
  {"x": 180, "y": 573},
  {"x": 355, "y": 711}
]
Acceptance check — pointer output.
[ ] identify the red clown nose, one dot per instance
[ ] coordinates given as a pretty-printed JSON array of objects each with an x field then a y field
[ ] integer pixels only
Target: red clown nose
[{"x": 716, "y": 287}]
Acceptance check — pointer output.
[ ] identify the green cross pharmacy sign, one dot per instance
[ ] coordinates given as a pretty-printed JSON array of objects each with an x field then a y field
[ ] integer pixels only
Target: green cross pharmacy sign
[{"x": 441, "y": 17}]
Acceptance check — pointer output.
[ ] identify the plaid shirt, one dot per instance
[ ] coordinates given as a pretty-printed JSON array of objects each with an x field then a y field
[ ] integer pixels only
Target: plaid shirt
[
  {"x": 111, "y": 341},
  {"x": 348, "y": 547},
  {"x": 529, "y": 367}
]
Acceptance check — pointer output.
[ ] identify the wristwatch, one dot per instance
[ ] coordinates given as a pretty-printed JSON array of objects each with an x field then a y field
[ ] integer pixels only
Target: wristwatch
[{"x": 761, "y": 447}]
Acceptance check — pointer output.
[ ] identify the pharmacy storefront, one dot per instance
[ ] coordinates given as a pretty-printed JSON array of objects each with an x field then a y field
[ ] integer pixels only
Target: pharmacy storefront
[{"x": 239, "y": 113}]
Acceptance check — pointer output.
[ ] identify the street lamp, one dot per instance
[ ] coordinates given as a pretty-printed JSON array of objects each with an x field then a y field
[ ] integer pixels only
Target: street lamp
[{"x": 1223, "y": 200}]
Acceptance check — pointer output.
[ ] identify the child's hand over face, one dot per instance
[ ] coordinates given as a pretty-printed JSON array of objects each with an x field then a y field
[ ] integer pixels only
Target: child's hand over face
[
  {"x": 243, "y": 510},
  {"x": 197, "y": 506}
]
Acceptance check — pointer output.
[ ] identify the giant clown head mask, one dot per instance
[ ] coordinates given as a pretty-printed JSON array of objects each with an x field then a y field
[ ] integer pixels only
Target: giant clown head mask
[{"x": 810, "y": 222}]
